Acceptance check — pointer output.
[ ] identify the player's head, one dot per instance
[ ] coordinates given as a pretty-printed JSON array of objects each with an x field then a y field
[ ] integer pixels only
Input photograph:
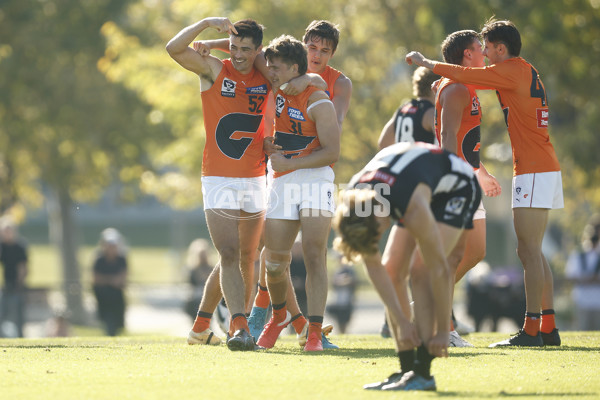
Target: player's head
[
  {"x": 246, "y": 44},
  {"x": 322, "y": 31},
  {"x": 591, "y": 233},
  {"x": 286, "y": 59},
  {"x": 461, "y": 44},
  {"x": 357, "y": 226},
  {"x": 502, "y": 33},
  {"x": 422, "y": 80},
  {"x": 248, "y": 28}
]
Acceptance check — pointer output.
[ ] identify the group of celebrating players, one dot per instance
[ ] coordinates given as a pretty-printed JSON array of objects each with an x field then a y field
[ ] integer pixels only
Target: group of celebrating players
[{"x": 287, "y": 105}]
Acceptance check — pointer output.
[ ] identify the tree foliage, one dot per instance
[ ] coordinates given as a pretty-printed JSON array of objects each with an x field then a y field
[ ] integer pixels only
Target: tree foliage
[
  {"x": 60, "y": 116},
  {"x": 65, "y": 128}
]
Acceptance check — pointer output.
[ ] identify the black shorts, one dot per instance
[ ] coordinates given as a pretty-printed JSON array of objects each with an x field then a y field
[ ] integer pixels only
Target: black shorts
[{"x": 457, "y": 208}]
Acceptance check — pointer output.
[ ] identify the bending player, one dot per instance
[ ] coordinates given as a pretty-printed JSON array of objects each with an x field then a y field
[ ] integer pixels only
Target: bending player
[{"x": 435, "y": 193}]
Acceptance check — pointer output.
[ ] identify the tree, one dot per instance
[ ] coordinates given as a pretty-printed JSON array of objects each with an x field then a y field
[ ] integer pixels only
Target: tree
[{"x": 63, "y": 124}]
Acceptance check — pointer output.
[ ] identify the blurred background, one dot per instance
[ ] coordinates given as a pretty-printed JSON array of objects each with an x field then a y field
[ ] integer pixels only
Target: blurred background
[{"x": 100, "y": 128}]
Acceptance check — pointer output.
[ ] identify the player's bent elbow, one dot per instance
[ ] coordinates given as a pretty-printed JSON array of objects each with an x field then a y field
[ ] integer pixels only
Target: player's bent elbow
[{"x": 172, "y": 49}]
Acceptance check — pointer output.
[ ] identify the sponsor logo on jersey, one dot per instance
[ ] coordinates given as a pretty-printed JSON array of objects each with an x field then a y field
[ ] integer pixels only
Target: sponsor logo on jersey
[
  {"x": 542, "y": 117},
  {"x": 279, "y": 105},
  {"x": 228, "y": 88},
  {"x": 475, "y": 106},
  {"x": 262, "y": 89},
  {"x": 378, "y": 175},
  {"x": 409, "y": 109},
  {"x": 296, "y": 114}
]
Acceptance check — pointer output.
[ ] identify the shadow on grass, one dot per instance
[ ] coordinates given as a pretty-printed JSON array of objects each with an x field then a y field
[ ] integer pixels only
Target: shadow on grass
[
  {"x": 571, "y": 348},
  {"x": 341, "y": 353},
  {"x": 479, "y": 395}
]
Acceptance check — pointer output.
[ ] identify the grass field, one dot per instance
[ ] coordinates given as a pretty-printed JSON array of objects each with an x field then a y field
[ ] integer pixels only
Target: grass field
[{"x": 166, "y": 368}]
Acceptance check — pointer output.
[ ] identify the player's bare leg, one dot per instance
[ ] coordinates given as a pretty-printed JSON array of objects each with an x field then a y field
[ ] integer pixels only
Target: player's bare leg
[
  {"x": 279, "y": 238},
  {"x": 316, "y": 225}
]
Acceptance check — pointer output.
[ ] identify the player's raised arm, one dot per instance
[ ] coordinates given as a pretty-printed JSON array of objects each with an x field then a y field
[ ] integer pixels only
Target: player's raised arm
[
  {"x": 414, "y": 57},
  {"x": 179, "y": 46}
]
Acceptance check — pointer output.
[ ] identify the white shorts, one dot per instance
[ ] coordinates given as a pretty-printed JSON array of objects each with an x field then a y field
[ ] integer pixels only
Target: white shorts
[
  {"x": 538, "y": 190},
  {"x": 310, "y": 188},
  {"x": 247, "y": 194},
  {"x": 480, "y": 212}
]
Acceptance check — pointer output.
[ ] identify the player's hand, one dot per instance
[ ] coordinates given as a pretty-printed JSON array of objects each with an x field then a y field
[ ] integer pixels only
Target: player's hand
[
  {"x": 438, "y": 345},
  {"x": 489, "y": 184},
  {"x": 294, "y": 86},
  {"x": 269, "y": 146},
  {"x": 222, "y": 25},
  {"x": 409, "y": 337},
  {"x": 435, "y": 85},
  {"x": 414, "y": 57},
  {"x": 279, "y": 162},
  {"x": 201, "y": 47}
]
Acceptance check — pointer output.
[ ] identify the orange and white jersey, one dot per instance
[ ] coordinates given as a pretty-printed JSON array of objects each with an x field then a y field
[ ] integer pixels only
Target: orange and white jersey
[
  {"x": 523, "y": 100},
  {"x": 233, "y": 110},
  {"x": 330, "y": 75},
  {"x": 295, "y": 132},
  {"x": 468, "y": 136}
]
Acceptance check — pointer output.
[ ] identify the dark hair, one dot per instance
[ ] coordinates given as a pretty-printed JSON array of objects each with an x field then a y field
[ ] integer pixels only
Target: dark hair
[
  {"x": 455, "y": 44},
  {"x": 248, "y": 28},
  {"x": 323, "y": 30},
  {"x": 504, "y": 32},
  {"x": 290, "y": 50},
  {"x": 422, "y": 80}
]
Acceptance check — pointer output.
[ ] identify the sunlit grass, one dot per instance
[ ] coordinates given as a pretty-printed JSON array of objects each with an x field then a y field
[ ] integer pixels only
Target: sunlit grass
[{"x": 167, "y": 368}]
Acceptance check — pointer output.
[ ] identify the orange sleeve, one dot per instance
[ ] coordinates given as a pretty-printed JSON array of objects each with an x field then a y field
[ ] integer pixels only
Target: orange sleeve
[{"x": 498, "y": 76}]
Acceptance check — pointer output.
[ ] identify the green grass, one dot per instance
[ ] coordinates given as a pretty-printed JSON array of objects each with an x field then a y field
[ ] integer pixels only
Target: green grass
[
  {"x": 167, "y": 368},
  {"x": 147, "y": 265}
]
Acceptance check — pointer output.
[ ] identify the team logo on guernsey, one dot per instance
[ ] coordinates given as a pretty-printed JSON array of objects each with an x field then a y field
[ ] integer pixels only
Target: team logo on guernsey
[
  {"x": 296, "y": 114},
  {"x": 228, "y": 88},
  {"x": 262, "y": 89},
  {"x": 475, "y": 106},
  {"x": 279, "y": 105},
  {"x": 454, "y": 206}
]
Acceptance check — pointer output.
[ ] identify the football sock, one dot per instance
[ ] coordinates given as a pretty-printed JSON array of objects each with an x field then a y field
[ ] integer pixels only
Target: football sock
[
  {"x": 202, "y": 321},
  {"x": 262, "y": 297},
  {"x": 423, "y": 362},
  {"x": 452, "y": 322},
  {"x": 315, "y": 324},
  {"x": 298, "y": 322},
  {"x": 532, "y": 323},
  {"x": 548, "y": 322},
  {"x": 239, "y": 321},
  {"x": 279, "y": 312},
  {"x": 407, "y": 360}
]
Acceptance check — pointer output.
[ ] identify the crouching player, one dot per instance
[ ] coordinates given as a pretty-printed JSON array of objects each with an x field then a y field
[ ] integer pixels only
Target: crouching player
[{"x": 435, "y": 193}]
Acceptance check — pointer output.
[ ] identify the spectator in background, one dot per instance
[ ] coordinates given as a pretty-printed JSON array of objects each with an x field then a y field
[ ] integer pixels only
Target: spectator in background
[
  {"x": 199, "y": 270},
  {"x": 58, "y": 325},
  {"x": 583, "y": 269},
  {"x": 13, "y": 256},
  {"x": 344, "y": 286},
  {"x": 110, "y": 279}
]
